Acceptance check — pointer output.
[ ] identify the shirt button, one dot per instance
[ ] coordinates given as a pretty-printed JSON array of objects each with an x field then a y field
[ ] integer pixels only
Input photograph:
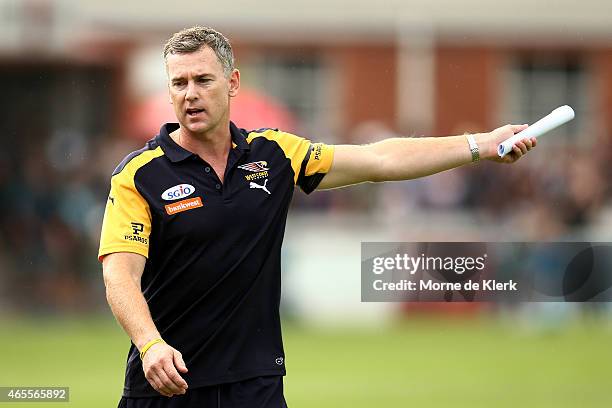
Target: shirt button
[
  {"x": 207, "y": 169},
  {"x": 218, "y": 186}
]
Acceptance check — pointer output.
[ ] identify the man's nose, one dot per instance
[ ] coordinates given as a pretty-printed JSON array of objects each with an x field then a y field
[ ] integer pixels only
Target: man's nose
[{"x": 191, "y": 93}]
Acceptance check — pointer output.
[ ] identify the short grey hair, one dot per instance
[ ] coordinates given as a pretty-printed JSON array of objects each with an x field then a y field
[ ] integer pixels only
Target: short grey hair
[{"x": 194, "y": 38}]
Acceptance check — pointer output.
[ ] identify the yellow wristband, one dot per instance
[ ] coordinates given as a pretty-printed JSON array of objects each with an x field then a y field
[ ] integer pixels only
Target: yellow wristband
[{"x": 148, "y": 346}]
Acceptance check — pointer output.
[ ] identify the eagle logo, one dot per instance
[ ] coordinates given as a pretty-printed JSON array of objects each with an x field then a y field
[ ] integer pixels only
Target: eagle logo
[{"x": 255, "y": 166}]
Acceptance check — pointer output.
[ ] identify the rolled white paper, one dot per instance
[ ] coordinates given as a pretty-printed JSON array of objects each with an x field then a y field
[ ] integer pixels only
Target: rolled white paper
[{"x": 554, "y": 119}]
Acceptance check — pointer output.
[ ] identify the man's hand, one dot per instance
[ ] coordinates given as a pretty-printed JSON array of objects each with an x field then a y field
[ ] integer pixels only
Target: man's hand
[
  {"x": 161, "y": 365},
  {"x": 488, "y": 143}
]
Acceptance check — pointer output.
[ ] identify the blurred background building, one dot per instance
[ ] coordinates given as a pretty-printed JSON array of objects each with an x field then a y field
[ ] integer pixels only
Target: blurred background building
[{"x": 83, "y": 84}]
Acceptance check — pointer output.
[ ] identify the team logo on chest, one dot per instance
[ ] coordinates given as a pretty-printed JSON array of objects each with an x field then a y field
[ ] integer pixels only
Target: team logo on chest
[{"x": 258, "y": 170}]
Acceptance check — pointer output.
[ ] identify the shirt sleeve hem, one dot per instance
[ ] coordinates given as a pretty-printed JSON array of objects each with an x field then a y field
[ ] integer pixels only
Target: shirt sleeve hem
[{"x": 121, "y": 248}]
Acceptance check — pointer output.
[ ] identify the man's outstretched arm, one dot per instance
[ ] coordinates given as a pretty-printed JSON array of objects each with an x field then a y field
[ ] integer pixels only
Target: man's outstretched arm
[
  {"x": 122, "y": 275},
  {"x": 408, "y": 158}
]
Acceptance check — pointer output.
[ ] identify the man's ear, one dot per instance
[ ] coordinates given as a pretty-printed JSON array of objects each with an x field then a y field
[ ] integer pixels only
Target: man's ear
[{"x": 234, "y": 81}]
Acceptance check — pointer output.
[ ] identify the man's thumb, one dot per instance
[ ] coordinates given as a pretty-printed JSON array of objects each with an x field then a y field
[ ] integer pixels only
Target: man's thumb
[{"x": 179, "y": 363}]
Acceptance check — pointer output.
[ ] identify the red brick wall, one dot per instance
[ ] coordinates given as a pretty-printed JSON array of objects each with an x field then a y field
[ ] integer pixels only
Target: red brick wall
[
  {"x": 369, "y": 84},
  {"x": 602, "y": 71},
  {"x": 465, "y": 89}
]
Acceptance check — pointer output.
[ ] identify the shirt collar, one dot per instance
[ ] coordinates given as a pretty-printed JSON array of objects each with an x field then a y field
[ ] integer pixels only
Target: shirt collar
[{"x": 177, "y": 153}]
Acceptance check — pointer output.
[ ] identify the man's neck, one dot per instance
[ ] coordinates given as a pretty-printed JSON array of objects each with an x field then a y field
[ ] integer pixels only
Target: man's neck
[{"x": 212, "y": 146}]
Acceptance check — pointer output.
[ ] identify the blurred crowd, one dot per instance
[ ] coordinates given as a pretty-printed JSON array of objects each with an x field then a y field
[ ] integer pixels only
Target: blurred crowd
[{"x": 52, "y": 196}]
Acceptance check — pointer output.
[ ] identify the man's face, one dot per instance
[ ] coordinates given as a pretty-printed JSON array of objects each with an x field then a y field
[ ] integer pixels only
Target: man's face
[{"x": 199, "y": 89}]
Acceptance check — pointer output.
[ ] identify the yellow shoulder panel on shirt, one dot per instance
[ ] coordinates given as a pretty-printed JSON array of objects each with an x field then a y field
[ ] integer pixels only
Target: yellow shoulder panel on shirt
[
  {"x": 296, "y": 148},
  {"x": 127, "y": 218}
]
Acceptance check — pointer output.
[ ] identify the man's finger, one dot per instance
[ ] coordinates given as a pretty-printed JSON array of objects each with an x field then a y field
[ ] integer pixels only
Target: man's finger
[
  {"x": 527, "y": 143},
  {"x": 157, "y": 384},
  {"x": 518, "y": 128},
  {"x": 176, "y": 379},
  {"x": 179, "y": 363},
  {"x": 168, "y": 382}
]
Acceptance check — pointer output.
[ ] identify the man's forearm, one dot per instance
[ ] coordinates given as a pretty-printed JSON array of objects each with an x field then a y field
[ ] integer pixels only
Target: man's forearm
[
  {"x": 126, "y": 300},
  {"x": 409, "y": 158},
  {"x": 131, "y": 311}
]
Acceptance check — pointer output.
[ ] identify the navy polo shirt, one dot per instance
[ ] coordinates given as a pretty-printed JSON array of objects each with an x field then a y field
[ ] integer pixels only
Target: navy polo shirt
[{"x": 212, "y": 275}]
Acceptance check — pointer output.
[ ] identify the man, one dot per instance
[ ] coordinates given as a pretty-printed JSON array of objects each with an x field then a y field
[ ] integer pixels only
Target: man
[{"x": 194, "y": 224}]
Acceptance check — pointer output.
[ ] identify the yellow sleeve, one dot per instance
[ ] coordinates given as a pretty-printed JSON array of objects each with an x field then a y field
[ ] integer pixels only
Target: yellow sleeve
[
  {"x": 127, "y": 218},
  {"x": 319, "y": 159},
  {"x": 309, "y": 161}
]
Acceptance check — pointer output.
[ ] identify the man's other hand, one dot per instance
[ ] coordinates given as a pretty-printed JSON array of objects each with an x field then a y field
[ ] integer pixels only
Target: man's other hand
[{"x": 162, "y": 364}]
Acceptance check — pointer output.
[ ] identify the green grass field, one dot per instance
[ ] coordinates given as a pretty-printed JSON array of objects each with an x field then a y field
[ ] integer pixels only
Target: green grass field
[{"x": 423, "y": 363}]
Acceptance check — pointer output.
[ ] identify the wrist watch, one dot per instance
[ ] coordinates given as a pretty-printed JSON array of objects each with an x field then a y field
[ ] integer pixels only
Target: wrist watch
[{"x": 473, "y": 148}]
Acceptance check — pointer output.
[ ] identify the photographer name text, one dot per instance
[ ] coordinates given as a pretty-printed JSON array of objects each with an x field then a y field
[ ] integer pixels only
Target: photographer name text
[{"x": 432, "y": 285}]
